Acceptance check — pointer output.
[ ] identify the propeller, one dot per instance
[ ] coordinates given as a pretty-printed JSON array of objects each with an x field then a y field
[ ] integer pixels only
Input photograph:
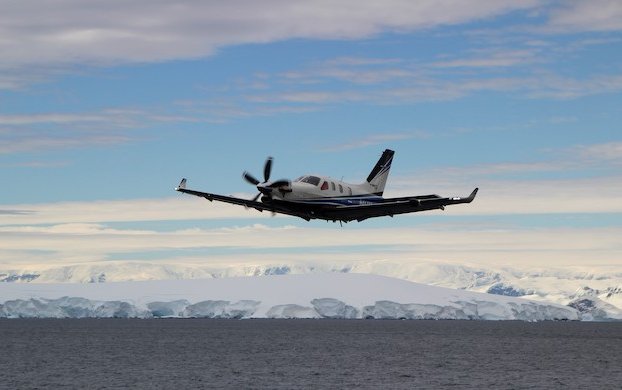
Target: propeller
[{"x": 266, "y": 186}]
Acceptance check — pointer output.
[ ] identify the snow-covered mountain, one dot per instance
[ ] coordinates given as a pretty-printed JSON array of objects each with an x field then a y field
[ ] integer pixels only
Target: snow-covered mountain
[
  {"x": 319, "y": 295},
  {"x": 594, "y": 290}
]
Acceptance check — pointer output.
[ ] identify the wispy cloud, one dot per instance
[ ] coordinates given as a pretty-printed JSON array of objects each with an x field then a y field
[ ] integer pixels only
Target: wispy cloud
[
  {"x": 15, "y": 212},
  {"x": 496, "y": 197},
  {"x": 36, "y": 164},
  {"x": 114, "y": 126},
  {"x": 509, "y": 67},
  {"x": 493, "y": 59},
  {"x": 586, "y": 15},
  {"x": 72, "y": 232},
  {"x": 52, "y": 131},
  {"x": 528, "y": 187},
  {"x": 374, "y": 139},
  {"x": 63, "y": 244},
  {"x": 556, "y": 87},
  {"x": 62, "y": 130},
  {"x": 515, "y": 197},
  {"x": 435, "y": 88},
  {"x": 18, "y": 142},
  {"x": 176, "y": 208},
  {"x": 608, "y": 152},
  {"x": 575, "y": 159}
]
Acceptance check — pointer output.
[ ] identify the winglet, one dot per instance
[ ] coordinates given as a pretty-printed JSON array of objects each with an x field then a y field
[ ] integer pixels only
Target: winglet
[
  {"x": 458, "y": 200},
  {"x": 182, "y": 185},
  {"x": 472, "y": 196}
]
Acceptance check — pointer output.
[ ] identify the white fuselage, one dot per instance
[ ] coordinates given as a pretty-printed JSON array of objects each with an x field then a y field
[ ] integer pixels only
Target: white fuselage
[
  {"x": 323, "y": 188},
  {"x": 325, "y": 191}
]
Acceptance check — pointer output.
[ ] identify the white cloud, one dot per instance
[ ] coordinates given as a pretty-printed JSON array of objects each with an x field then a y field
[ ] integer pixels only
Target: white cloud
[
  {"x": 73, "y": 232},
  {"x": 556, "y": 87},
  {"x": 587, "y": 15},
  {"x": 12, "y": 120},
  {"x": 72, "y": 31},
  {"x": 554, "y": 246},
  {"x": 506, "y": 197},
  {"x": 61, "y": 36},
  {"x": 511, "y": 188},
  {"x": 498, "y": 195},
  {"x": 609, "y": 152},
  {"x": 70, "y": 232},
  {"x": 181, "y": 207}
]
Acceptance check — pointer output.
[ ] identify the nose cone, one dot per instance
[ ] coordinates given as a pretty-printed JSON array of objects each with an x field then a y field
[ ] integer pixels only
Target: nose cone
[{"x": 264, "y": 189}]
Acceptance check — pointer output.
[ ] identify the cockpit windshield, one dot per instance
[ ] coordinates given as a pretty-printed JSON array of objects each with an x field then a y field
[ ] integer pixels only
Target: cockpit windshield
[{"x": 309, "y": 179}]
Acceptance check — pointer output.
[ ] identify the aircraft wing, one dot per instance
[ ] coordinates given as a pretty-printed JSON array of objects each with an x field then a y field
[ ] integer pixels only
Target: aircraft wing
[
  {"x": 394, "y": 206},
  {"x": 390, "y": 206},
  {"x": 275, "y": 208}
]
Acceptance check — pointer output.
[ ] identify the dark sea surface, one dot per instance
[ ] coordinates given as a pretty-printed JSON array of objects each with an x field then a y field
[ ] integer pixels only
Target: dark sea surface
[{"x": 286, "y": 354}]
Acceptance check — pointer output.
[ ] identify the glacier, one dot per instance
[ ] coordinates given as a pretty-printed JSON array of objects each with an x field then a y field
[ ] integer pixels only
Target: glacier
[
  {"x": 315, "y": 295},
  {"x": 596, "y": 291}
]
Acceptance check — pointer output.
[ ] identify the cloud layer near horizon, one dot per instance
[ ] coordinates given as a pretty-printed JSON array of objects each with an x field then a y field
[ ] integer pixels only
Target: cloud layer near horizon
[
  {"x": 74, "y": 232},
  {"x": 496, "y": 197},
  {"x": 78, "y": 243}
]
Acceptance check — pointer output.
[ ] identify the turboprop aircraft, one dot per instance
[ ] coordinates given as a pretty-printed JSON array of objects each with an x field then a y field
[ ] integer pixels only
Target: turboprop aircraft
[{"x": 321, "y": 197}]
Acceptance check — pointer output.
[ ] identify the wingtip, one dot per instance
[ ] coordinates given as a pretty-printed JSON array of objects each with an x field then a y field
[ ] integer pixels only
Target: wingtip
[
  {"x": 472, "y": 196},
  {"x": 182, "y": 185}
]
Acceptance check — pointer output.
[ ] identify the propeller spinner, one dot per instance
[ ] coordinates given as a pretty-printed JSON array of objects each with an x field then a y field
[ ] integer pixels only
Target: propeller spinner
[{"x": 266, "y": 186}]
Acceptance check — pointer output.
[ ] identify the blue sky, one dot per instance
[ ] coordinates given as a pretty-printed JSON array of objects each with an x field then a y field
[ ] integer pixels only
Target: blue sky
[{"x": 103, "y": 108}]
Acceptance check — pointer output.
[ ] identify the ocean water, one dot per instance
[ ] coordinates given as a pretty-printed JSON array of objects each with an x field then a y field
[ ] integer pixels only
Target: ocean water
[{"x": 288, "y": 354}]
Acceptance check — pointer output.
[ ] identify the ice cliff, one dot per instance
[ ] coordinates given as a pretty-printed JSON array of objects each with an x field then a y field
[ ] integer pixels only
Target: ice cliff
[{"x": 330, "y": 295}]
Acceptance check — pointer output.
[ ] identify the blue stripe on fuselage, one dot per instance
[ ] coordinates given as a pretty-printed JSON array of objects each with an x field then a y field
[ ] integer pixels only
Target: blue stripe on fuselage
[{"x": 359, "y": 200}]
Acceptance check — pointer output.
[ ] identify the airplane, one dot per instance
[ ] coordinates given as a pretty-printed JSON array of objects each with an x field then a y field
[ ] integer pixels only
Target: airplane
[{"x": 321, "y": 197}]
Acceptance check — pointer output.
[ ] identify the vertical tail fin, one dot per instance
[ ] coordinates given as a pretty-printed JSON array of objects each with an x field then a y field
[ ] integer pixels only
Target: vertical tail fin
[{"x": 378, "y": 176}]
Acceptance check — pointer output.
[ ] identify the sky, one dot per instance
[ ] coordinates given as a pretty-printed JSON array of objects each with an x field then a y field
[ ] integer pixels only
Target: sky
[{"x": 106, "y": 105}]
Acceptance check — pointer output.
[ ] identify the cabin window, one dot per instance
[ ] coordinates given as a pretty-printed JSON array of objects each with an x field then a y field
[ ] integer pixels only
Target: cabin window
[
  {"x": 340, "y": 188},
  {"x": 314, "y": 180},
  {"x": 324, "y": 186},
  {"x": 333, "y": 186}
]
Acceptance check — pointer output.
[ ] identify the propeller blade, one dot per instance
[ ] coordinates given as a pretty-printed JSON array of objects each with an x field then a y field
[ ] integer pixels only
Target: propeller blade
[
  {"x": 267, "y": 169},
  {"x": 279, "y": 183},
  {"x": 250, "y": 178},
  {"x": 256, "y": 197}
]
